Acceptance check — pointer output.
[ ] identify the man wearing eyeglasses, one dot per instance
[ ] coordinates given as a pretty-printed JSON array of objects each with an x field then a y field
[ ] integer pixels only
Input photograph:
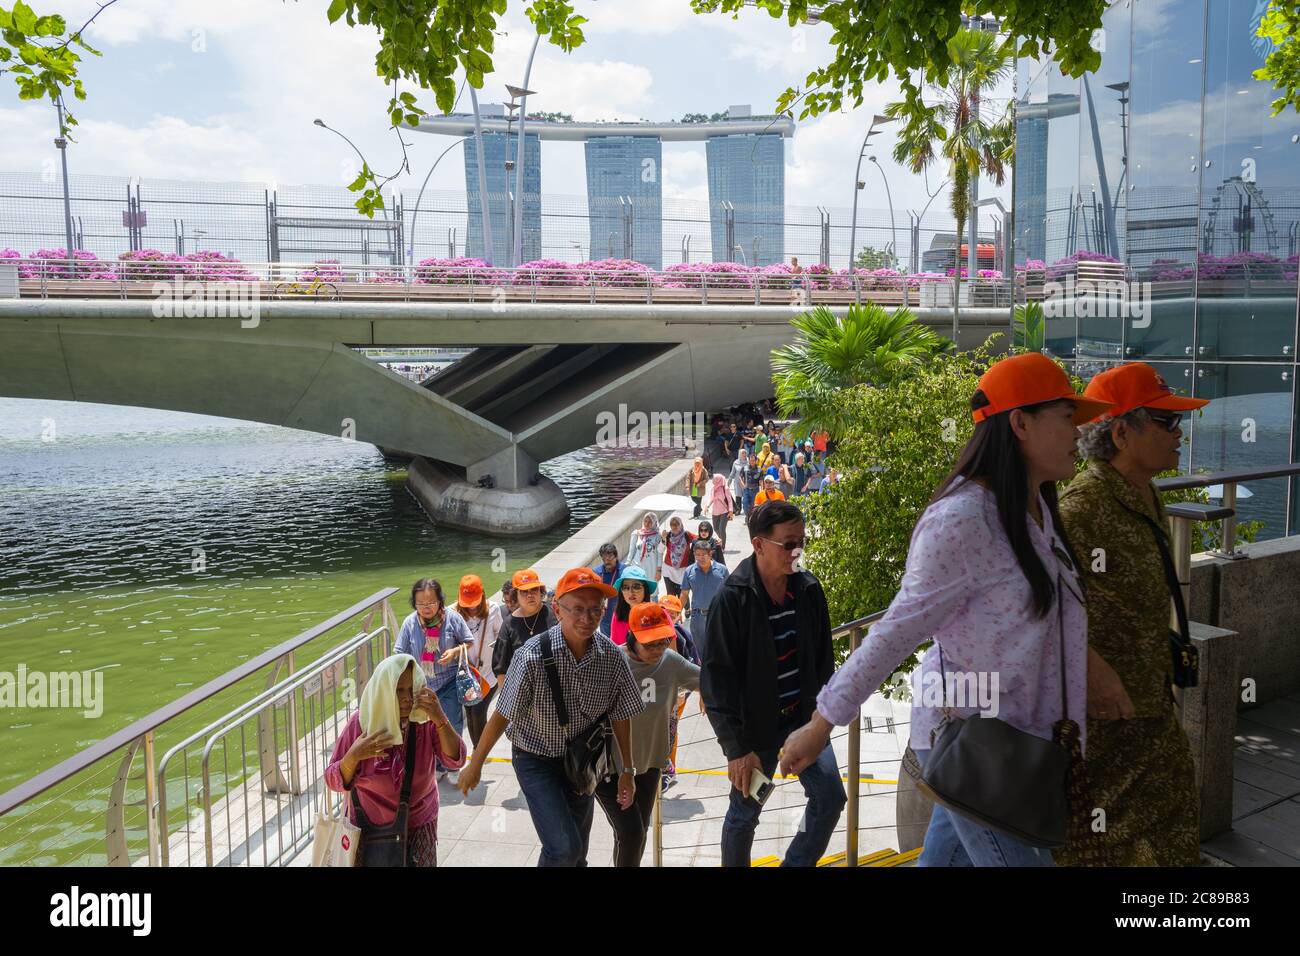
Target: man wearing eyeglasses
[
  {"x": 595, "y": 683},
  {"x": 766, "y": 655},
  {"x": 1139, "y": 764}
]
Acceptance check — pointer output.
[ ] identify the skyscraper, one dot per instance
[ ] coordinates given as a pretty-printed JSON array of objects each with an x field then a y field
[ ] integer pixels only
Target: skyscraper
[
  {"x": 494, "y": 152},
  {"x": 621, "y": 168},
  {"x": 748, "y": 171}
]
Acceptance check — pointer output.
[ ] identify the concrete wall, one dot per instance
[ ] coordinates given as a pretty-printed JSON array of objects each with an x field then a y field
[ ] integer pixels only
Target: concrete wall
[{"x": 1257, "y": 598}]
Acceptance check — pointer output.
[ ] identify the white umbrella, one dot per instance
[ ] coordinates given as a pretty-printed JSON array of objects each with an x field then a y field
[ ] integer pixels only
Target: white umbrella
[
  {"x": 665, "y": 502},
  {"x": 1216, "y": 491}
]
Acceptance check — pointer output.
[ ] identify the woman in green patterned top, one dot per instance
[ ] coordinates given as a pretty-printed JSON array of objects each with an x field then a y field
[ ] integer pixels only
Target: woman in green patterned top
[{"x": 1138, "y": 770}]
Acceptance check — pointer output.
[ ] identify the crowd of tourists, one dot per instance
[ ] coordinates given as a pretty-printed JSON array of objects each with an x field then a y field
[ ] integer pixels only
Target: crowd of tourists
[{"x": 589, "y": 682}]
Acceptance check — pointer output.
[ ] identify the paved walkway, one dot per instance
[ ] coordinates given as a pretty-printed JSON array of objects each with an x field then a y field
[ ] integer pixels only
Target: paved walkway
[{"x": 492, "y": 826}]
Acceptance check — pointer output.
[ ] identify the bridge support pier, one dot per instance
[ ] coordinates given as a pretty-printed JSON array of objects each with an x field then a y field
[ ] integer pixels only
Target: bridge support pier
[{"x": 459, "y": 503}]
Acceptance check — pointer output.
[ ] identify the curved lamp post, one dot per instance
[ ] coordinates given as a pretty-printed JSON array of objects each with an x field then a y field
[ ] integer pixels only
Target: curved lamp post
[
  {"x": 858, "y": 184},
  {"x": 893, "y": 235},
  {"x": 410, "y": 249},
  {"x": 364, "y": 162}
]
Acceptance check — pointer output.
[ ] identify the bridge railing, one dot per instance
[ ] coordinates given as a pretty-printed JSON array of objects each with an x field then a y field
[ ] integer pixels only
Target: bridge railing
[
  {"x": 618, "y": 281},
  {"x": 236, "y": 786}
]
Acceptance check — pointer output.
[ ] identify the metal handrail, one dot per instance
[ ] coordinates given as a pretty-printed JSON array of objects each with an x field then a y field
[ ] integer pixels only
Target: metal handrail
[
  {"x": 1227, "y": 513},
  {"x": 848, "y": 286},
  {"x": 146, "y": 726}
]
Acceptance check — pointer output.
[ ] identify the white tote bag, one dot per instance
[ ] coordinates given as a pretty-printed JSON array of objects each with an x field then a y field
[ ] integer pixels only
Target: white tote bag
[{"x": 334, "y": 841}]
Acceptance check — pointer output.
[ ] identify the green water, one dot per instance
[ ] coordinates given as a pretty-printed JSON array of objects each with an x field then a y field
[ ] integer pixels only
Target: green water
[{"x": 164, "y": 549}]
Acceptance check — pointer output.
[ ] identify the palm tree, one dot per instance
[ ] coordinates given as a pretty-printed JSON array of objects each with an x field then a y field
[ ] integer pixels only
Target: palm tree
[
  {"x": 867, "y": 346},
  {"x": 973, "y": 139}
]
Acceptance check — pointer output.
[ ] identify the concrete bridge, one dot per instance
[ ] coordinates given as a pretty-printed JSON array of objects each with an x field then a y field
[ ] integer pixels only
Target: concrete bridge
[{"x": 534, "y": 386}]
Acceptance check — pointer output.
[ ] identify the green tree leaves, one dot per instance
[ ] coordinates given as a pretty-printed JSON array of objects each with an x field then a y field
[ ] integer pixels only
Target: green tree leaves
[{"x": 1281, "y": 24}]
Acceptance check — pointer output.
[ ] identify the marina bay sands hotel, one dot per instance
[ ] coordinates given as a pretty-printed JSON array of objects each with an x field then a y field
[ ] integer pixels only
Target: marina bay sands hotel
[{"x": 746, "y": 171}]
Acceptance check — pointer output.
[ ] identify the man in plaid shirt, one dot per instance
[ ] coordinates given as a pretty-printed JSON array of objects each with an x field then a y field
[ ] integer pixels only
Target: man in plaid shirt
[{"x": 596, "y": 681}]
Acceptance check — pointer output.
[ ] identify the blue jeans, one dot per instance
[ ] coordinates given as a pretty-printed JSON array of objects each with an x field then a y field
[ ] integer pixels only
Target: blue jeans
[
  {"x": 955, "y": 840},
  {"x": 449, "y": 698},
  {"x": 561, "y": 817},
  {"x": 749, "y": 496},
  {"x": 825, "y": 790}
]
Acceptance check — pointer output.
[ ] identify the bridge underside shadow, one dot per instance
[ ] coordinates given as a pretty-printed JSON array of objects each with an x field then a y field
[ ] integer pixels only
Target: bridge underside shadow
[{"x": 477, "y": 431}]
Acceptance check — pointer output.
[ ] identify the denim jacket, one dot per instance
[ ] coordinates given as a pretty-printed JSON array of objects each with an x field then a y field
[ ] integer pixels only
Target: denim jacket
[{"x": 411, "y": 640}]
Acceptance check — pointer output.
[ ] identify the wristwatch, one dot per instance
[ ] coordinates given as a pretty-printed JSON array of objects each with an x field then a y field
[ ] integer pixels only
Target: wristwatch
[{"x": 631, "y": 770}]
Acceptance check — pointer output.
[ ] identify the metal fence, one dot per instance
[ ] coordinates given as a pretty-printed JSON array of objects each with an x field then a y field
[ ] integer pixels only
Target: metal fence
[{"x": 260, "y": 222}]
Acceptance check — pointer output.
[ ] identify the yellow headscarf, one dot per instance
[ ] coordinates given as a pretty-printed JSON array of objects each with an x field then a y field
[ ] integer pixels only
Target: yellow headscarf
[{"x": 379, "y": 699}]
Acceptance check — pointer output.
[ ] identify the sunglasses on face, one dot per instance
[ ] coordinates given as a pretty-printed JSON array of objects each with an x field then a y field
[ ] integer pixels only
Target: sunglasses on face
[
  {"x": 1168, "y": 422},
  {"x": 786, "y": 545}
]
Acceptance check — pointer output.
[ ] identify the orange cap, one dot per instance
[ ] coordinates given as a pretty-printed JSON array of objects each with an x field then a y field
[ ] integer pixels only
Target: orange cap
[
  {"x": 672, "y": 602},
  {"x": 526, "y": 580},
  {"x": 1137, "y": 385},
  {"x": 649, "y": 622},
  {"x": 471, "y": 590},
  {"x": 1028, "y": 379},
  {"x": 582, "y": 578}
]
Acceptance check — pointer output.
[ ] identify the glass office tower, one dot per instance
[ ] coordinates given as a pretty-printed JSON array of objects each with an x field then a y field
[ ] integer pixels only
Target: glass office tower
[
  {"x": 747, "y": 171},
  {"x": 1167, "y": 160},
  {"x": 619, "y": 169},
  {"x": 499, "y": 189}
]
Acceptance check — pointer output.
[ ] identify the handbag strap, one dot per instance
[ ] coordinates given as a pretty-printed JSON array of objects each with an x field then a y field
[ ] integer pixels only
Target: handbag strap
[
  {"x": 553, "y": 678},
  {"x": 1171, "y": 580},
  {"x": 408, "y": 769}
]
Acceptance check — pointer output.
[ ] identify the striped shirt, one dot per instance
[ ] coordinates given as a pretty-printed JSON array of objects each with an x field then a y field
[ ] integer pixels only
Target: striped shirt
[{"x": 781, "y": 619}]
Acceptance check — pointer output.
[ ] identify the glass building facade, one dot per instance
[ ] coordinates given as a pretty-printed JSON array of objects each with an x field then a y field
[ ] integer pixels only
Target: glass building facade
[
  {"x": 1168, "y": 161},
  {"x": 499, "y": 186},
  {"x": 747, "y": 171},
  {"x": 622, "y": 168}
]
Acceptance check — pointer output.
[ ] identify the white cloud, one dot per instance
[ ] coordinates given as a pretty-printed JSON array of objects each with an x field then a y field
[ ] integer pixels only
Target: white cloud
[{"x": 685, "y": 174}]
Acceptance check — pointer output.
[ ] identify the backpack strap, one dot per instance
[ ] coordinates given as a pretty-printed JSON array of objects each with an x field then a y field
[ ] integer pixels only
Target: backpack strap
[{"x": 553, "y": 678}]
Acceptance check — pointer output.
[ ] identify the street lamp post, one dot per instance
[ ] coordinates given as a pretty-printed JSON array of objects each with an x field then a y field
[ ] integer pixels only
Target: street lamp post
[
  {"x": 523, "y": 94},
  {"x": 410, "y": 249},
  {"x": 62, "y": 143},
  {"x": 364, "y": 162},
  {"x": 893, "y": 235},
  {"x": 858, "y": 184}
]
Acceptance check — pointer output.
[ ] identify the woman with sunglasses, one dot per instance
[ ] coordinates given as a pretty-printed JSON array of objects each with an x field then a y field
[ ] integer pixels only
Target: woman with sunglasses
[
  {"x": 660, "y": 673},
  {"x": 992, "y": 581},
  {"x": 1139, "y": 765}
]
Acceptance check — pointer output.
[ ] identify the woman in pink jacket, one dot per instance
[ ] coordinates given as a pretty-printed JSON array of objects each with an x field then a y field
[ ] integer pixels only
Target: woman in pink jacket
[{"x": 719, "y": 506}]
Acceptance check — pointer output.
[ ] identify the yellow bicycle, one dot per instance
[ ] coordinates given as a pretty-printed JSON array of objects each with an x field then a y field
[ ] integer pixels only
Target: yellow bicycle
[{"x": 316, "y": 286}]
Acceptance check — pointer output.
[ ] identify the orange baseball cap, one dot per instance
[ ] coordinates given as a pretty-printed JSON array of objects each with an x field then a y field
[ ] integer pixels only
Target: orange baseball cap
[
  {"x": 672, "y": 602},
  {"x": 579, "y": 578},
  {"x": 649, "y": 622},
  {"x": 1029, "y": 379},
  {"x": 526, "y": 580},
  {"x": 1137, "y": 385},
  {"x": 471, "y": 590}
]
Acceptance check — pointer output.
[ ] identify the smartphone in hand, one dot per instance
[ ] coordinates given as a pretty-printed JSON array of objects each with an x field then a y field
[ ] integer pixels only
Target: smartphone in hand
[{"x": 760, "y": 787}]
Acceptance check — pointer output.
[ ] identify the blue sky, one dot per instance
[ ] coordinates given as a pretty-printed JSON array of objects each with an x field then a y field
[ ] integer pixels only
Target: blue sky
[{"x": 200, "y": 89}]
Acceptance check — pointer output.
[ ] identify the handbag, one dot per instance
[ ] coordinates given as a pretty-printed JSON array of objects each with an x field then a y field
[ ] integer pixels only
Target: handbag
[
  {"x": 334, "y": 840},
  {"x": 469, "y": 682},
  {"x": 1001, "y": 777},
  {"x": 1186, "y": 659},
  {"x": 386, "y": 845},
  {"x": 588, "y": 756}
]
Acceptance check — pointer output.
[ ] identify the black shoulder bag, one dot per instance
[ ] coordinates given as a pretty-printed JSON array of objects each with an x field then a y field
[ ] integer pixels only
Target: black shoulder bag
[
  {"x": 386, "y": 845},
  {"x": 588, "y": 757},
  {"x": 1186, "y": 660},
  {"x": 1001, "y": 777}
]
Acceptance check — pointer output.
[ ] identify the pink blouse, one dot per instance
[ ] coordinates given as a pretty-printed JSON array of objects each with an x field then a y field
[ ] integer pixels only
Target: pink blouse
[
  {"x": 964, "y": 589},
  {"x": 378, "y": 780}
]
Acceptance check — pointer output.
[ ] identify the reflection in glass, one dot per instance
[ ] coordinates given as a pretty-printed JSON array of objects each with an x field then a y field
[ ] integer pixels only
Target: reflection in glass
[{"x": 1246, "y": 270}]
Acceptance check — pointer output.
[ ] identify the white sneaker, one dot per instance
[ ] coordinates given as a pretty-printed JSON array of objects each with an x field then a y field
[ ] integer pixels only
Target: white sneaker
[
  {"x": 442, "y": 775},
  {"x": 453, "y": 777}
]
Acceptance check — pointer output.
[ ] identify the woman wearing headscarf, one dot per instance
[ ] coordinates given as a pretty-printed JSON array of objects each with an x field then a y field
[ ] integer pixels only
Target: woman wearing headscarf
[
  {"x": 1139, "y": 767},
  {"x": 645, "y": 547},
  {"x": 397, "y": 730},
  {"x": 696, "y": 479},
  {"x": 992, "y": 580},
  {"x": 719, "y": 506},
  {"x": 705, "y": 531},
  {"x": 677, "y": 554}
]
